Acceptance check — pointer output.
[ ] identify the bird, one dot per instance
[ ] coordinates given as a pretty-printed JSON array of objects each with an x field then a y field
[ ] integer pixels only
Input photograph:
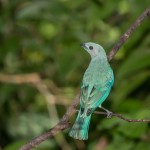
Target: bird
[{"x": 97, "y": 83}]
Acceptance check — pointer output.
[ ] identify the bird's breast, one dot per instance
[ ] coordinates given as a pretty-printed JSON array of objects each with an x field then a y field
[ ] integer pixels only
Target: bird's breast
[{"x": 96, "y": 73}]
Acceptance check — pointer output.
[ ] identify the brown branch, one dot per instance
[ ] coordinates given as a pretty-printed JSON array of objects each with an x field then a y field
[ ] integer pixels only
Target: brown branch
[
  {"x": 128, "y": 33},
  {"x": 35, "y": 80},
  {"x": 122, "y": 117},
  {"x": 20, "y": 79},
  {"x": 64, "y": 122},
  {"x": 50, "y": 133}
]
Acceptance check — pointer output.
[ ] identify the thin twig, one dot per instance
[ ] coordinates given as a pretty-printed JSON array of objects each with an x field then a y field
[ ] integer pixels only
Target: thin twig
[
  {"x": 122, "y": 117},
  {"x": 21, "y": 78},
  {"x": 128, "y": 33},
  {"x": 35, "y": 80}
]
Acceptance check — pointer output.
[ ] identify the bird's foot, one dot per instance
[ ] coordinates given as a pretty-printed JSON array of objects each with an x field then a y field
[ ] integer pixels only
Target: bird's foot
[{"x": 109, "y": 113}]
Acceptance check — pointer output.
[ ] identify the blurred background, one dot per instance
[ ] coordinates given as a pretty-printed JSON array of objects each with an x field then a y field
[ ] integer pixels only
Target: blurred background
[{"x": 43, "y": 37}]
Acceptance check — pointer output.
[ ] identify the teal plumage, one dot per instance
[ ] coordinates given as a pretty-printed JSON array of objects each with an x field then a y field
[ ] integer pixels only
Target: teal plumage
[{"x": 96, "y": 85}]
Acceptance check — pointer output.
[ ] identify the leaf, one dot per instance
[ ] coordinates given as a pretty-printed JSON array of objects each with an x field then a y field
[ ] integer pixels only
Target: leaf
[
  {"x": 31, "y": 9},
  {"x": 15, "y": 145},
  {"x": 120, "y": 142},
  {"x": 127, "y": 86},
  {"x": 133, "y": 130},
  {"x": 108, "y": 123},
  {"x": 28, "y": 123},
  {"x": 142, "y": 146},
  {"x": 47, "y": 30},
  {"x": 130, "y": 105},
  {"x": 137, "y": 61}
]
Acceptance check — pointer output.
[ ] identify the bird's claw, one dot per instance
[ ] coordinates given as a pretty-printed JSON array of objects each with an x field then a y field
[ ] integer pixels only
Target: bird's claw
[{"x": 109, "y": 114}]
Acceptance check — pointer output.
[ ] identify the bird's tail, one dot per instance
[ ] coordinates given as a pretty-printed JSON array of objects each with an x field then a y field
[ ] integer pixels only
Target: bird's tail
[{"x": 80, "y": 127}]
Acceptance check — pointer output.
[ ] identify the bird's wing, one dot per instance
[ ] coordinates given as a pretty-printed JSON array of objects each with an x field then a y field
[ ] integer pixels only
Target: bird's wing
[
  {"x": 95, "y": 98},
  {"x": 93, "y": 95}
]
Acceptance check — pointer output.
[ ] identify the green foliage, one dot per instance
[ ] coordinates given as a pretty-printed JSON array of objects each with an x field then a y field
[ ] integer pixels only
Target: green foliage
[{"x": 44, "y": 37}]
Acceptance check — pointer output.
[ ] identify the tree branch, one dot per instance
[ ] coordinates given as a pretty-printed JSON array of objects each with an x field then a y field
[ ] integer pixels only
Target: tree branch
[
  {"x": 122, "y": 117},
  {"x": 128, "y": 33},
  {"x": 64, "y": 122},
  {"x": 35, "y": 80},
  {"x": 20, "y": 79}
]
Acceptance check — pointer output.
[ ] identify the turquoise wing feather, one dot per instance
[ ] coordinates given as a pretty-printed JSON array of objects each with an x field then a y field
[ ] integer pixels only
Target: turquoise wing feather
[{"x": 98, "y": 91}]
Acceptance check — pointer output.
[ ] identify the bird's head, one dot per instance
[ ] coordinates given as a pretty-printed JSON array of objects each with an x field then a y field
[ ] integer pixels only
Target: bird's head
[{"x": 95, "y": 50}]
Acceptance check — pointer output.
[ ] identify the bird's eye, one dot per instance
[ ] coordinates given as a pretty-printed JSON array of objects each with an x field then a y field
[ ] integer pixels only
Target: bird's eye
[{"x": 90, "y": 47}]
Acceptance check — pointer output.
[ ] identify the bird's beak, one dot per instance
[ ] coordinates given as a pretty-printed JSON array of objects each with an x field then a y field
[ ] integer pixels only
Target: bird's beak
[{"x": 83, "y": 45}]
